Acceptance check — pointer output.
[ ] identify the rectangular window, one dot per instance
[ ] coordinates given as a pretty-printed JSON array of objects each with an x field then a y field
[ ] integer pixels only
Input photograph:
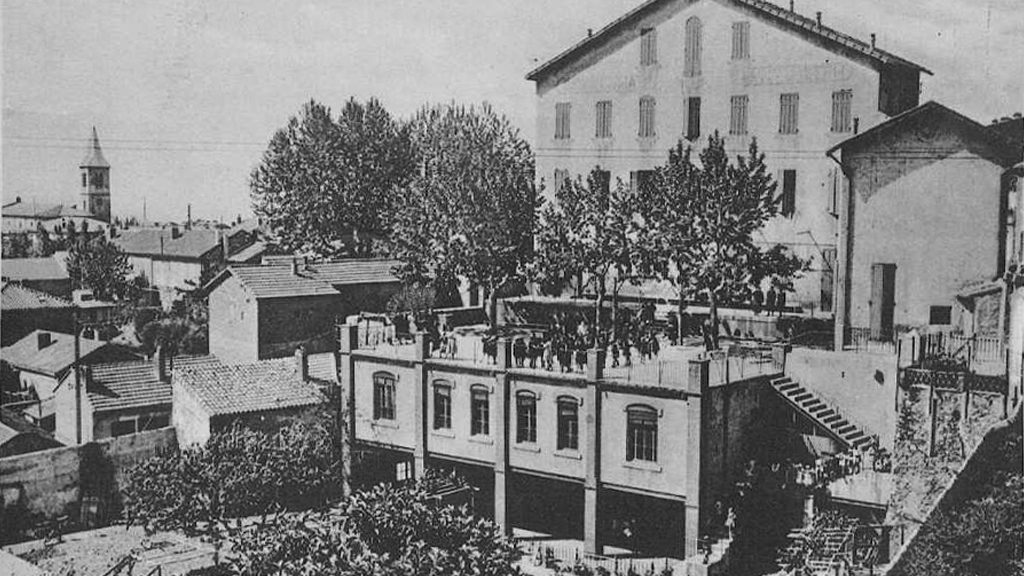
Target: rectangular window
[
  {"x": 403, "y": 471},
  {"x": 604, "y": 119},
  {"x": 383, "y": 397},
  {"x": 157, "y": 422},
  {"x": 526, "y": 418},
  {"x": 740, "y": 40},
  {"x": 562, "y": 112},
  {"x": 789, "y": 111},
  {"x": 442, "y": 407},
  {"x": 561, "y": 175},
  {"x": 828, "y": 257},
  {"x": 122, "y": 427},
  {"x": 788, "y": 197},
  {"x": 842, "y": 111},
  {"x": 480, "y": 413},
  {"x": 646, "y": 117},
  {"x": 692, "y": 118},
  {"x": 603, "y": 180},
  {"x": 640, "y": 179},
  {"x": 648, "y": 47},
  {"x": 642, "y": 435},
  {"x": 568, "y": 425},
  {"x": 738, "y": 115},
  {"x": 940, "y": 315}
]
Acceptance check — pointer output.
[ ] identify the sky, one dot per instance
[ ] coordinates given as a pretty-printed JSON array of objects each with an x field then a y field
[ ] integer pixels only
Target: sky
[{"x": 185, "y": 94}]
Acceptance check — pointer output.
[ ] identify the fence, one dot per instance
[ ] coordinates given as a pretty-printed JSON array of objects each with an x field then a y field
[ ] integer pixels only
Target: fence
[
  {"x": 971, "y": 352},
  {"x": 564, "y": 556},
  {"x": 739, "y": 363}
]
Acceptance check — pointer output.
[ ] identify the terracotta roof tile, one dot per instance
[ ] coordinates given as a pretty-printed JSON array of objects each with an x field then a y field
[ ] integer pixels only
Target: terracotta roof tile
[
  {"x": 14, "y": 296},
  {"x": 50, "y": 268},
  {"x": 313, "y": 279},
  {"x": 121, "y": 385},
  {"x": 261, "y": 386}
]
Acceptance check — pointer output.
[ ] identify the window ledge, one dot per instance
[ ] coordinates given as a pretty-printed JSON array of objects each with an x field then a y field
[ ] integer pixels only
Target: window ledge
[
  {"x": 443, "y": 432},
  {"x": 642, "y": 465},
  {"x": 481, "y": 439},
  {"x": 570, "y": 454},
  {"x": 384, "y": 424},
  {"x": 526, "y": 447}
]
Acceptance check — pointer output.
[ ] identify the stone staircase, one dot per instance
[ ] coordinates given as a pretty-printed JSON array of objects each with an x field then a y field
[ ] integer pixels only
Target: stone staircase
[{"x": 824, "y": 415}]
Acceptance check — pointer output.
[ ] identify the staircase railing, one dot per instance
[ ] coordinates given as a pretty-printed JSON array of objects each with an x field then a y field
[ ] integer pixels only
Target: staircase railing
[{"x": 834, "y": 406}]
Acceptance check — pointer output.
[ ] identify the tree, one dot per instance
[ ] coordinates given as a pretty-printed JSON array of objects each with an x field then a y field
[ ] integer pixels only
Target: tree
[
  {"x": 587, "y": 232},
  {"x": 699, "y": 223},
  {"x": 469, "y": 213},
  {"x": 324, "y": 185},
  {"x": 415, "y": 299},
  {"x": 101, "y": 266},
  {"x": 389, "y": 530}
]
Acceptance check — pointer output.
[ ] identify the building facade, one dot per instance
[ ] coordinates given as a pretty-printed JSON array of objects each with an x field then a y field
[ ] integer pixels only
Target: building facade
[
  {"x": 673, "y": 69},
  {"x": 576, "y": 455},
  {"x": 928, "y": 216}
]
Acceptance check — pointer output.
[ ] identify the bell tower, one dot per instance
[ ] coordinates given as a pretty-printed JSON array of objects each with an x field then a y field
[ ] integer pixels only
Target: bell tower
[{"x": 96, "y": 181}]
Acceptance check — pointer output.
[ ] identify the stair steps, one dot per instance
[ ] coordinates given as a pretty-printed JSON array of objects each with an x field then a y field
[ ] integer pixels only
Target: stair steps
[{"x": 819, "y": 411}]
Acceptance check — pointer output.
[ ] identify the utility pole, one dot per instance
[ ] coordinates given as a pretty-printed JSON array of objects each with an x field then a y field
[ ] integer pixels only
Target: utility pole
[{"x": 78, "y": 382}]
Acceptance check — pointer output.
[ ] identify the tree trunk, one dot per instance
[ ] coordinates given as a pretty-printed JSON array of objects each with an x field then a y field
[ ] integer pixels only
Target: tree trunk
[
  {"x": 680, "y": 328},
  {"x": 492, "y": 301},
  {"x": 600, "y": 286}
]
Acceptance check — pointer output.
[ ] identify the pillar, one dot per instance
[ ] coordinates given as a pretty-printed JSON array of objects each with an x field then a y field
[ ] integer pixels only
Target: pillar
[
  {"x": 501, "y": 434},
  {"x": 808, "y": 518},
  {"x": 348, "y": 341},
  {"x": 696, "y": 389},
  {"x": 592, "y": 453},
  {"x": 419, "y": 451}
]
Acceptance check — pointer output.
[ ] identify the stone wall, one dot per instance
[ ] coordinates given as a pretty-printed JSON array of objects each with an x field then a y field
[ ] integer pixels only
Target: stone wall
[{"x": 81, "y": 482}]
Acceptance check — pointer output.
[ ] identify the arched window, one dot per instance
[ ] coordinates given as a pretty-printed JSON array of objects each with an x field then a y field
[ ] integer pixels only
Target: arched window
[
  {"x": 526, "y": 417},
  {"x": 692, "y": 50},
  {"x": 480, "y": 411},
  {"x": 568, "y": 423},
  {"x": 442, "y": 405},
  {"x": 383, "y": 396},
  {"x": 641, "y": 433}
]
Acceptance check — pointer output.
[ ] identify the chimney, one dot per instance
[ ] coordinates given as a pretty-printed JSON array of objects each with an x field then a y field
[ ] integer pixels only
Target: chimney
[
  {"x": 44, "y": 339},
  {"x": 590, "y": 32},
  {"x": 160, "y": 364},
  {"x": 302, "y": 363},
  {"x": 225, "y": 246},
  {"x": 856, "y": 125},
  {"x": 817, "y": 16},
  {"x": 295, "y": 266},
  {"x": 873, "y": 40},
  {"x": 175, "y": 232},
  {"x": 188, "y": 221},
  {"x": 17, "y": 199},
  {"x": 791, "y": 8}
]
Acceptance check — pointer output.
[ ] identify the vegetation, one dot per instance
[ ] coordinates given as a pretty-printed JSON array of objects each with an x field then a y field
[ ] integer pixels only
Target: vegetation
[
  {"x": 101, "y": 266},
  {"x": 325, "y": 184},
  {"x": 589, "y": 232},
  {"x": 238, "y": 473},
  {"x": 469, "y": 212},
  {"x": 391, "y": 529},
  {"x": 183, "y": 330},
  {"x": 700, "y": 222},
  {"x": 978, "y": 527}
]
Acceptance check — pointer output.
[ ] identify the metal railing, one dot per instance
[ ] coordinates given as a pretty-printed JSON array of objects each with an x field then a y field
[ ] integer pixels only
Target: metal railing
[{"x": 563, "y": 557}]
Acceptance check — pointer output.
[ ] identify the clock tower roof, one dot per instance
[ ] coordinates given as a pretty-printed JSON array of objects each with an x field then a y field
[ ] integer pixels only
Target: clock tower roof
[{"x": 94, "y": 157}]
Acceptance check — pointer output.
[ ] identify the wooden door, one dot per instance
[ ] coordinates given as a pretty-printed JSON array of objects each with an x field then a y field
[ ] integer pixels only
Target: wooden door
[{"x": 883, "y": 300}]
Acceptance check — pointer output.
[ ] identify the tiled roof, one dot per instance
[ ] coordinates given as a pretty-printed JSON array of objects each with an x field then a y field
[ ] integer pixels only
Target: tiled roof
[
  {"x": 13, "y": 425},
  {"x": 249, "y": 253},
  {"x": 32, "y": 210},
  {"x": 322, "y": 367},
  {"x": 261, "y": 386},
  {"x": 312, "y": 279},
  {"x": 14, "y": 296},
  {"x": 49, "y": 268},
  {"x": 830, "y": 38},
  {"x": 121, "y": 385},
  {"x": 190, "y": 245},
  {"x": 52, "y": 360}
]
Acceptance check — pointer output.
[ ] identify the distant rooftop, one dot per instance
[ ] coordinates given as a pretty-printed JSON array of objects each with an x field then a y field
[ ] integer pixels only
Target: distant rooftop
[
  {"x": 264, "y": 385},
  {"x": 320, "y": 279},
  {"x": 56, "y": 355},
  {"x": 18, "y": 297},
  {"x": 50, "y": 268}
]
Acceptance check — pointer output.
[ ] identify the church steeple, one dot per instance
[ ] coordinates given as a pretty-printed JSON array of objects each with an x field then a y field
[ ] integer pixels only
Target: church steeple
[{"x": 96, "y": 180}]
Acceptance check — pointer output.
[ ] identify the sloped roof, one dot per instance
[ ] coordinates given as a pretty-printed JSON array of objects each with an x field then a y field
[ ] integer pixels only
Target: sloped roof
[
  {"x": 32, "y": 210},
  {"x": 319, "y": 279},
  {"x": 54, "y": 359},
  {"x": 830, "y": 38},
  {"x": 1008, "y": 153},
  {"x": 122, "y": 385},
  {"x": 94, "y": 157},
  {"x": 14, "y": 296},
  {"x": 12, "y": 425},
  {"x": 261, "y": 386},
  {"x": 191, "y": 245},
  {"x": 249, "y": 253},
  {"x": 50, "y": 268}
]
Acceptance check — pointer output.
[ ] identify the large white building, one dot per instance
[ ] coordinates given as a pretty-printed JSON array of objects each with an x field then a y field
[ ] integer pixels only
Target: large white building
[{"x": 673, "y": 69}]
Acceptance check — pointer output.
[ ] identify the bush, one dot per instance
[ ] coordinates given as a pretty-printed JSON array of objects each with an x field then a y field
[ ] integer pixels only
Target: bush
[
  {"x": 391, "y": 529},
  {"x": 238, "y": 473}
]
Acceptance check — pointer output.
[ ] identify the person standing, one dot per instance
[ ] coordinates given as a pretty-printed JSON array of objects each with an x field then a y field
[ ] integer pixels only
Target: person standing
[{"x": 769, "y": 300}]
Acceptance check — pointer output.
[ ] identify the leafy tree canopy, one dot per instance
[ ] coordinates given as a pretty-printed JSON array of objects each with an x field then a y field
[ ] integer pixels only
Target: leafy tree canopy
[
  {"x": 700, "y": 221},
  {"x": 325, "y": 184},
  {"x": 391, "y": 529},
  {"x": 469, "y": 213},
  {"x": 100, "y": 265}
]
